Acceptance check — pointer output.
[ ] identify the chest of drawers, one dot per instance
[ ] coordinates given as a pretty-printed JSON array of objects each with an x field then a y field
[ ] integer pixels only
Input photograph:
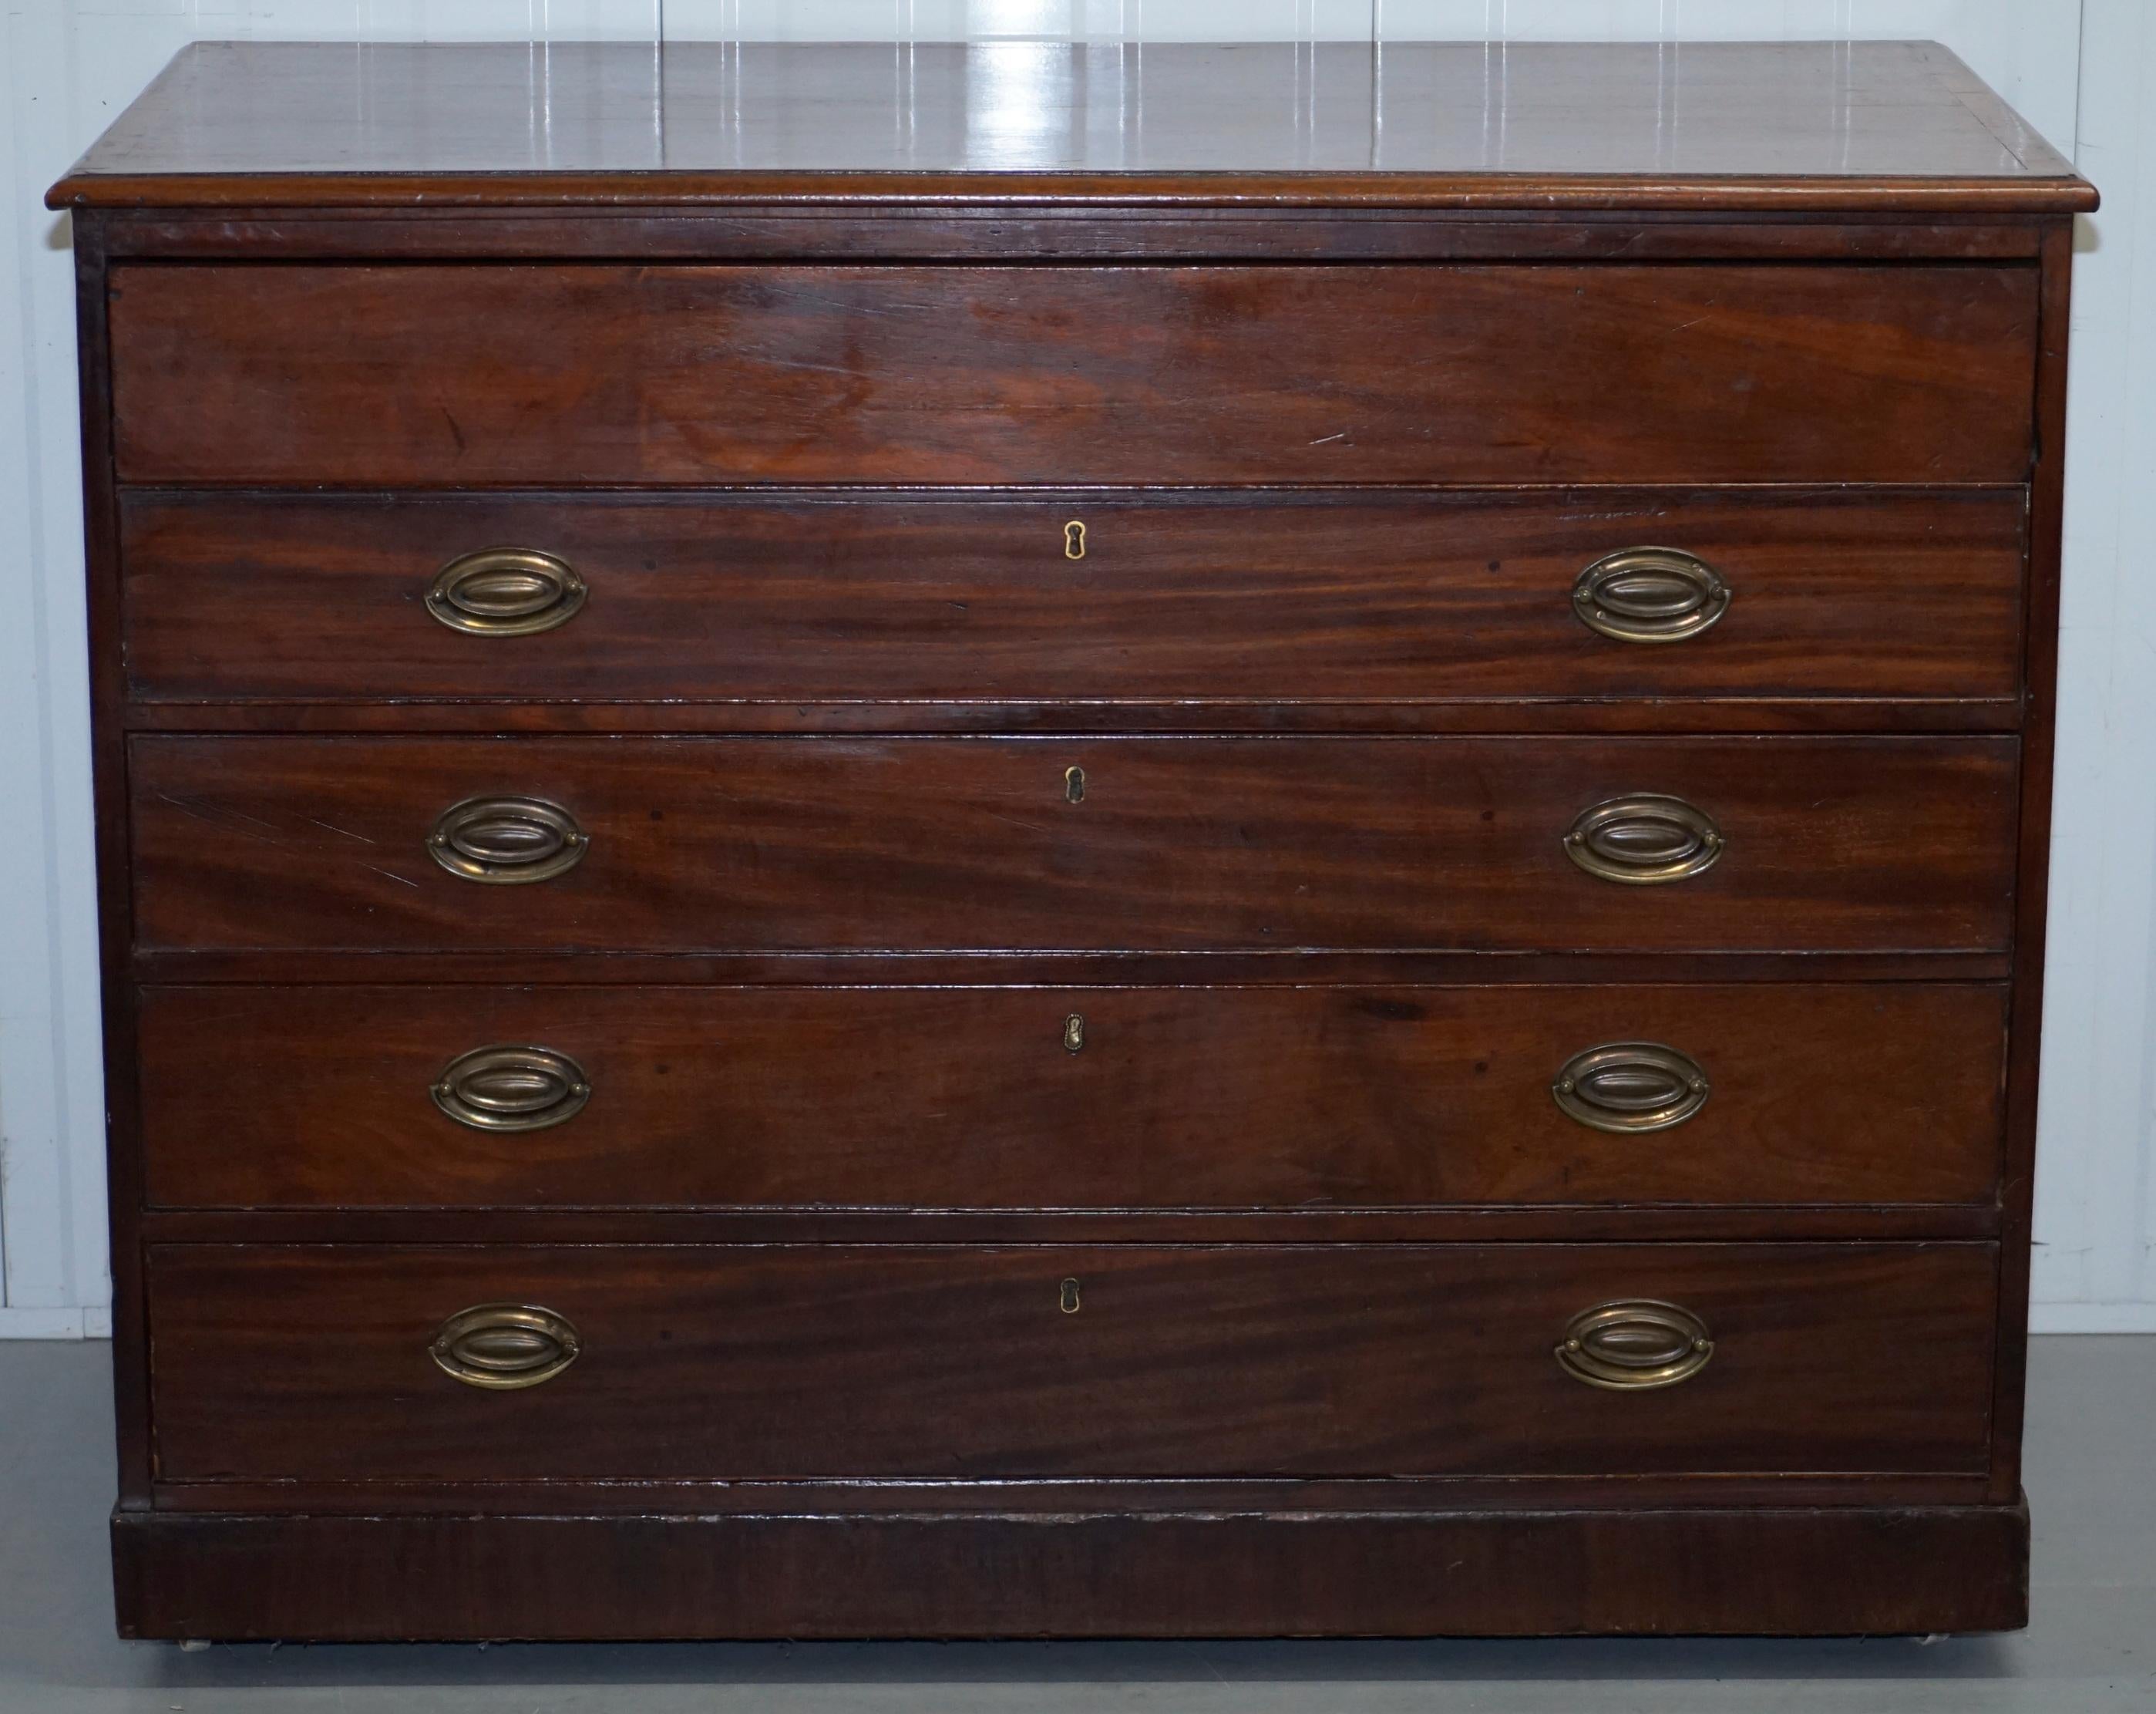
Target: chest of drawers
[{"x": 1179, "y": 841}]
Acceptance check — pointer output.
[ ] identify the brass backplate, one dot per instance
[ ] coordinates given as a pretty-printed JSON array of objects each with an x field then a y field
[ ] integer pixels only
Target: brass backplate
[
  {"x": 512, "y": 1088},
  {"x": 1630, "y": 1086},
  {"x": 1650, "y": 596},
  {"x": 504, "y": 1347},
  {"x": 1644, "y": 840},
  {"x": 506, "y": 840},
  {"x": 1634, "y": 1346},
  {"x": 504, "y": 592}
]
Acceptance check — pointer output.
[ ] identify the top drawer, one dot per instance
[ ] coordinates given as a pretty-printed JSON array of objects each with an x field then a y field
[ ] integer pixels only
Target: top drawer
[{"x": 454, "y": 376}]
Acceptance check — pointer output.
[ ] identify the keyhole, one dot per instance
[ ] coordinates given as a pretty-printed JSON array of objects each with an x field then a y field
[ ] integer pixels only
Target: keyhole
[
  {"x": 1070, "y": 1299},
  {"x": 1074, "y": 785},
  {"x": 1074, "y": 540},
  {"x": 1073, "y": 1033}
]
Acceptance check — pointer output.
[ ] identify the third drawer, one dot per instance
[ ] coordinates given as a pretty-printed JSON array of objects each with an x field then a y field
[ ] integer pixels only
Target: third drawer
[
  {"x": 1253, "y": 844},
  {"x": 1072, "y": 1097}
]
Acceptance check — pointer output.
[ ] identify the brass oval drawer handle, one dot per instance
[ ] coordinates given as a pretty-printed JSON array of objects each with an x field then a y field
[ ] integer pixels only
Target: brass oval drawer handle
[
  {"x": 1644, "y": 840},
  {"x": 504, "y": 1346},
  {"x": 505, "y": 592},
  {"x": 512, "y": 1089},
  {"x": 1634, "y": 1344},
  {"x": 1650, "y": 596},
  {"x": 1631, "y": 1086},
  {"x": 508, "y": 840}
]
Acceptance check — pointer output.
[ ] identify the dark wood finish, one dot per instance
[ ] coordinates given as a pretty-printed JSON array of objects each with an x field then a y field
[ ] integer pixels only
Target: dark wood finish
[
  {"x": 1477, "y": 1223},
  {"x": 1814, "y": 126},
  {"x": 891, "y": 1360},
  {"x": 921, "y": 844},
  {"x": 1089, "y": 232},
  {"x": 1288, "y": 965},
  {"x": 1756, "y": 1573},
  {"x": 124, "y": 1165},
  {"x": 2033, "y": 861},
  {"x": 1359, "y": 597},
  {"x": 1295, "y": 1098},
  {"x": 1421, "y": 1496},
  {"x": 1609, "y": 716},
  {"x": 1809, "y": 301},
  {"x": 420, "y": 375}
]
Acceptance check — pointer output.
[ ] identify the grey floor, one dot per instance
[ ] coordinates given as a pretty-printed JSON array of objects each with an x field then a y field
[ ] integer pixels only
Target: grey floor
[{"x": 2092, "y": 1649}]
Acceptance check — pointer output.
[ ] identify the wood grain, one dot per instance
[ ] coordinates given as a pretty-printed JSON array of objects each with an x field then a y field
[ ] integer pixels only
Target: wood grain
[
  {"x": 108, "y": 797},
  {"x": 427, "y": 228},
  {"x": 1625, "y": 1223},
  {"x": 2025, "y": 1027},
  {"x": 306, "y": 967},
  {"x": 422, "y": 375},
  {"x": 922, "y": 844},
  {"x": 1813, "y": 126},
  {"x": 899, "y": 1360},
  {"x": 1779, "y": 1571},
  {"x": 1302, "y": 1099},
  {"x": 787, "y": 598},
  {"x": 1609, "y": 717},
  {"x": 1420, "y": 1496}
]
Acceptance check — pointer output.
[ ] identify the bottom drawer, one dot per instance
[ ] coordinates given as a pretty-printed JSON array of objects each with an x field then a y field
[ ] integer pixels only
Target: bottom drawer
[{"x": 273, "y": 1361}]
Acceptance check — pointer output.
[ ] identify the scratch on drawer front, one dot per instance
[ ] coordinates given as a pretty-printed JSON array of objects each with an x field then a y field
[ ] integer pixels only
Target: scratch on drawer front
[
  {"x": 221, "y": 816},
  {"x": 332, "y": 828}
]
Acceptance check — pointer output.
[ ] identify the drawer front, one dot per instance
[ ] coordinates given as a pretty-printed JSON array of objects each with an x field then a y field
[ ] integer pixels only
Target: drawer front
[
  {"x": 450, "y": 376},
  {"x": 1069, "y": 1098},
  {"x": 1264, "y": 843},
  {"x": 1361, "y": 598},
  {"x": 1061, "y": 1360}
]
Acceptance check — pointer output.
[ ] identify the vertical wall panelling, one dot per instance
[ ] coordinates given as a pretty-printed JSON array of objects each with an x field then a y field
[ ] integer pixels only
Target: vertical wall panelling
[
  {"x": 51, "y": 1161},
  {"x": 66, "y": 66},
  {"x": 2095, "y": 1221}
]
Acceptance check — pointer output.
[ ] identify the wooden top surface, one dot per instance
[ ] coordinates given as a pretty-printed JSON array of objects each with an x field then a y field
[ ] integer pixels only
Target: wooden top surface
[{"x": 1721, "y": 125}]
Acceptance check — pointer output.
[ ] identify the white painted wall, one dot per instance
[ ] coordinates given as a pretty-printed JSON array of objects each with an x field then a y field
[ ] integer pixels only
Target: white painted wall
[
  {"x": 2083, "y": 71},
  {"x": 2095, "y": 1202}
]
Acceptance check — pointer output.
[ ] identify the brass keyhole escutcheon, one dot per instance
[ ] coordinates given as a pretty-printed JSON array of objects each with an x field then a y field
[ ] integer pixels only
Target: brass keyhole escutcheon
[
  {"x": 1073, "y": 1033},
  {"x": 1074, "y": 540},
  {"x": 1069, "y": 1298},
  {"x": 1074, "y": 785}
]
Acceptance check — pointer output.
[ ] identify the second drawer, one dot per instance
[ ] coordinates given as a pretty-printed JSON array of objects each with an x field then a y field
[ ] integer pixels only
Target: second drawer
[
  {"x": 1071, "y": 1098},
  {"x": 1360, "y": 596}
]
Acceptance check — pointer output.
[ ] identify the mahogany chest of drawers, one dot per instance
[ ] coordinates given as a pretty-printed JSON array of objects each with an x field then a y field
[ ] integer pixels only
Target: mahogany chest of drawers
[{"x": 1187, "y": 840}]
